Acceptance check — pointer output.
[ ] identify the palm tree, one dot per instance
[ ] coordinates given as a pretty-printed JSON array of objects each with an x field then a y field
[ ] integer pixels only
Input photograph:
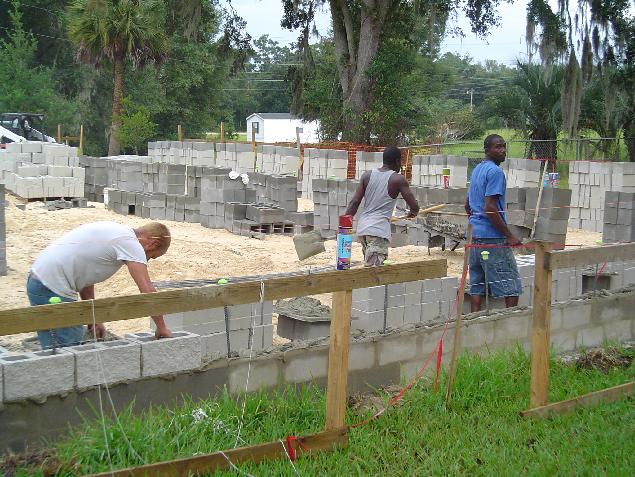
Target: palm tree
[{"x": 119, "y": 32}]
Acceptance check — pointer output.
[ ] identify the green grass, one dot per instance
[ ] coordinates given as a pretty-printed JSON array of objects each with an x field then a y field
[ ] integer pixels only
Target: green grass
[{"x": 482, "y": 434}]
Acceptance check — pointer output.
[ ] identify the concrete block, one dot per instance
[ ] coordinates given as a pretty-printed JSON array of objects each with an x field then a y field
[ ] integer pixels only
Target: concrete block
[
  {"x": 38, "y": 374},
  {"x": 361, "y": 356},
  {"x": 563, "y": 340},
  {"x": 478, "y": 334},
  {"x": 302, "y": 366},
  {"x": 263, "y": 374},
  {"x": 618, "y": 330},
  {"x": 106, "y": 362},
  {"x": 513, "y": 328},
  {"x": 412, "y": 313},
  {"x": 214, "y": 346},
  {"x": 180, "y": 353},
  {"x": 590, "y": 336},
  {"x": 393, "y": 349},
  {"x": 575, "y": 315}
]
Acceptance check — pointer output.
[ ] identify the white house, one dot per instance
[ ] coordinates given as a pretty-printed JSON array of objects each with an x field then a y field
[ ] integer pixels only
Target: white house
[{"x": 281, "y": 127}]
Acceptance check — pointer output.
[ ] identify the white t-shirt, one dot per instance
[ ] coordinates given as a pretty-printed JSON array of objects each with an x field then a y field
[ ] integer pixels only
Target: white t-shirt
[{"x": 87, "y": 255}]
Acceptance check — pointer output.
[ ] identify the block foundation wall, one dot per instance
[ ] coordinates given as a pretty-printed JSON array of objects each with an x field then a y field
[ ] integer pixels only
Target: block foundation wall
[{"x": 375, "y": 359}]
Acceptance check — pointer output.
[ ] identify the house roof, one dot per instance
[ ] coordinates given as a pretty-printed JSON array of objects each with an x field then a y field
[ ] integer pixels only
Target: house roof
[{"x": 274, "y": 115}]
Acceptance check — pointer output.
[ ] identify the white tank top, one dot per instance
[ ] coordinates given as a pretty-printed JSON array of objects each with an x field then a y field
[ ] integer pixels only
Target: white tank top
[{"x": 378, "y": 206}]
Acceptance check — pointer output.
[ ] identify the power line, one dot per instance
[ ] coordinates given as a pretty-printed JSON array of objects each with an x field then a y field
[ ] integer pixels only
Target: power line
[{"x": 34, "y": 6}]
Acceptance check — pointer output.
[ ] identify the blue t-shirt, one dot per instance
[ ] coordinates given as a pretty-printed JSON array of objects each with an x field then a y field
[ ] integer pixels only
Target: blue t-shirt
[{"x": 487, "y": 180}]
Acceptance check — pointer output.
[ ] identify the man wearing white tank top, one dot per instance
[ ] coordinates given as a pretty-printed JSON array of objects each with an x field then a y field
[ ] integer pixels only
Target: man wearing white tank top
[{"x": 380, "y": 188}]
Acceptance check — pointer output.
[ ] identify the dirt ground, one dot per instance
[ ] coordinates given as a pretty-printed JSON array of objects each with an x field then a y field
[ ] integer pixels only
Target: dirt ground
[{"x": 196, "y": 253}]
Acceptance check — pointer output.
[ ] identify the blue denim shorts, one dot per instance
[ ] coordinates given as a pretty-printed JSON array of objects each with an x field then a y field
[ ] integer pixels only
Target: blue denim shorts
[
  {"x": 40, "y": 295},
  {"x": 502, "y": 273}
]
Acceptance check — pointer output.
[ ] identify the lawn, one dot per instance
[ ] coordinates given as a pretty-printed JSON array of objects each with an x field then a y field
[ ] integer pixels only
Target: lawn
[{"x": 481, "y": 435}]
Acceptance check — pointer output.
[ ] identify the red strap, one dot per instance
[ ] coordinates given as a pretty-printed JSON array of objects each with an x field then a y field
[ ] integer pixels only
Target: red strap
[
  {"x": 290, "y": 448},
  {"x": 439, "y": 354}
]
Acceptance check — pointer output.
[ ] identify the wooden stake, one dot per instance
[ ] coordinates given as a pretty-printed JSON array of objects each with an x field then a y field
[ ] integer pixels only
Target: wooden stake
[
  {"x": 538, "y": 202},
  {"x": 59, "y": 133},
  {"x": 81, "y": 140},
  {"x": 539, "y": 386},
  {"x": 612, "y": 394},
  {"x": 209, "y": 463},
  {"x": 456, "y": 346},
  {"x": 336, "y": 391},
  {"x": 300, "y": 155},
  {"x": 222, "y": 131},
  {"x": 179, "y": 132}
]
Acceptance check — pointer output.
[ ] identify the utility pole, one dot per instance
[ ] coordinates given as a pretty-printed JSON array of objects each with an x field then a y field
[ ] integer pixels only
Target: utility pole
[{"x": 471, "y": 93}]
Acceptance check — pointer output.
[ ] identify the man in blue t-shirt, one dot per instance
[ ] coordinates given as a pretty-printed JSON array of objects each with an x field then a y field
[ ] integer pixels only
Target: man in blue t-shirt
[{"x": 485, "y": 205}]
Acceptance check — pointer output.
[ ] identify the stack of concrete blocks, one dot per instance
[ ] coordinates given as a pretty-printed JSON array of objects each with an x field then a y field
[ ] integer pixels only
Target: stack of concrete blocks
[
  {"x": 553, "y": 216},
  {"x": 428, "y": 170},
  {"x": 522, "y": 172},
  {"x": 194, "y": 178},
  {"x": 400, "y": 304},
  {"x": 589, "y": 183},
  {"x": 277, "y": 160},
  {"x": 125, "y": 175},
  {"x": 190, "y": 153},
  {"x": 210, "y": 325},
  {"x": 367, "y": 161},
  {"x": 3, "y": 234},
  {"x": 96, "y": 177},
  {"x": 39, "y": 170},
  {"x": 41, "y": 181},
  {"x": 237, "y": 156},
  {"x": 619, "y": 217},
  {"x": 245, "y": 219},
  {"x": 331, "y": 198},
  {"x": 159, "y": 151},
  {"x": 216, "y": 191},
  {"x": 623, "y": 176},
  {"x": 322, "y": 164}
]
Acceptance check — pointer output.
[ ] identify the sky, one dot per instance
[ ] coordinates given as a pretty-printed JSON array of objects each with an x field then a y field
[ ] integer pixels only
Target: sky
[{"x": 505, "y": 44}]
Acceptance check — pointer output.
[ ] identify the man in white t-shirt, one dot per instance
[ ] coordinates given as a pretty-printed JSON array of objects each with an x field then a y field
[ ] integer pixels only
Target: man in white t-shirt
[{"x": 90, "y": 254}]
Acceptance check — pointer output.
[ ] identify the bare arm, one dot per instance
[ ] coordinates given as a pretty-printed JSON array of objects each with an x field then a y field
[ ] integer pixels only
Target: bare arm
[
  {"x": 358, "y": 196},
  {"x": 139, "y": 273},
  {"x": 408, "y": 196},
  {"x": 493, "y": 214}
]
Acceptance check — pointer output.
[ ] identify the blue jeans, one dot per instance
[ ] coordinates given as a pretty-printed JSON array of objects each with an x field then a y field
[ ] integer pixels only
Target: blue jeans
[
  {"x": 40, "y": 295},
  {"x": 502, "y": 273}
]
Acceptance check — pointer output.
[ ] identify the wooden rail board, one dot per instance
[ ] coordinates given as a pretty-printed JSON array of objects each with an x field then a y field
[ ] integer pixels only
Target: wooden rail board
[
  {"x": 21, "y": 320},
  {"x": 607, "y": 395},
  {"x": 208, "y": 463},
  {"x": 591, "y": 255}
]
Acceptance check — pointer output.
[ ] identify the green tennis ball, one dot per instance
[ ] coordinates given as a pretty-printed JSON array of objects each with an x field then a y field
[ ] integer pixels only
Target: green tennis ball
[
  {"x": 387, "y": 262},
  {"x": 223, "y": 281},
  {"x": 55, "y": 299}
]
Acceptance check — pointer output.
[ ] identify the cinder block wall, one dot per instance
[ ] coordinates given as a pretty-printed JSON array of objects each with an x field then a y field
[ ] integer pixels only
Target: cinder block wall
[{"x": 375, "y": 359}]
